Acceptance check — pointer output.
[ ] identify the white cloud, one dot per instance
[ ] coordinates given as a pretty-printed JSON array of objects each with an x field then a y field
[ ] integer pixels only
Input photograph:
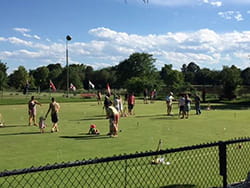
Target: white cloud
[
  {"x": 229, "y": 15},
  {"x": 216, "y": 3},
  {"x": 21, "y": 30},
  {"x": 205, "y": 47},
  {"x": 213, "y": 3},
  {"x": 17, "y": 41},
  {"x": 25, "y": 31},
  {"x": 36, "y": 37}
]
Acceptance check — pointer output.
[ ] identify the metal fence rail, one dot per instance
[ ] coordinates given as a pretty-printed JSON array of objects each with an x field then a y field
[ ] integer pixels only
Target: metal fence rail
[{"x": 207, "y": 165}]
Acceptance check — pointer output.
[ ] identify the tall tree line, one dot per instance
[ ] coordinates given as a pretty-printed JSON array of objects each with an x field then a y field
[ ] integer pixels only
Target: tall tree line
[{"x": 135, "y": 73}]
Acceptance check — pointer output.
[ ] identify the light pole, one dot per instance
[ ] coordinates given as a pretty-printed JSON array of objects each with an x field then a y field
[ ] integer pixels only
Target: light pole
[{"x": 68, "y": 38}]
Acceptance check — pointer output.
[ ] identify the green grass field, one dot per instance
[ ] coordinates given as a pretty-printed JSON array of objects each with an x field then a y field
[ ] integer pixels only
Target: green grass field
[{"x": 23, "y": 146}]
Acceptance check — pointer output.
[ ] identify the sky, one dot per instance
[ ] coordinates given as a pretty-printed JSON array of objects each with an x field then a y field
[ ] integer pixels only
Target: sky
[{"x": 210, "y": 33}]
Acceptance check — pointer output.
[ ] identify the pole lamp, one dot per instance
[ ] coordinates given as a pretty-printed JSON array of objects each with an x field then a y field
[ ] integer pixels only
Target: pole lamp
[{"x": 68, "y": 38}]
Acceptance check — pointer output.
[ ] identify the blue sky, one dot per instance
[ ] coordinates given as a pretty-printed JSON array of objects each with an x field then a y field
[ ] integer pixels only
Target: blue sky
[{"x": 211, "y": 33}]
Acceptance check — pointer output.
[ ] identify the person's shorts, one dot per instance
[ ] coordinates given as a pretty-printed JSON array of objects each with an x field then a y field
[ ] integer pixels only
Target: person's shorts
[
  {"x": 54, "y": 117},
  {"x": 182, "y": 108},
  {"x": 130, "y": 106}
]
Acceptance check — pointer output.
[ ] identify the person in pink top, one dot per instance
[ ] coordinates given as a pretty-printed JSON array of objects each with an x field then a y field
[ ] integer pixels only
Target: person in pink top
[{"x": 131, "y": 103}]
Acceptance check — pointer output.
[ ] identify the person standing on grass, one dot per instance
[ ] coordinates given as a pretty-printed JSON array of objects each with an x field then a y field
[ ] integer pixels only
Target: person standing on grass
[
  {"x": 113, "y": 116},
  {"x": 54, "y": 107},
  {"x": 99, "y": 97},
  {"x": 169, "y": 102},
  {"x": 197, "y": 102},
  {"x": 182, "y": 106},
  {"x": 106, "y": 102},
  {"x": 32, "y": 110},
  {"x": 131, "y": 104},
  {"x": 187, "y": 105}
]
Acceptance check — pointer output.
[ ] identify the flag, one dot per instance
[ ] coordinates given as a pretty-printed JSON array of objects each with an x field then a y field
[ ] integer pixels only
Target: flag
[
  {"x": 52, "y": 86},
  {"x": 72, "y": 87},
  {"x": 91, "y": 85},
  {"x": 108, "y": 89}
]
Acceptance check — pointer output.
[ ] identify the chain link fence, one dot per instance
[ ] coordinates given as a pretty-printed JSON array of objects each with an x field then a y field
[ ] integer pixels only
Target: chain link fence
[{"x": 208, "y": 165}]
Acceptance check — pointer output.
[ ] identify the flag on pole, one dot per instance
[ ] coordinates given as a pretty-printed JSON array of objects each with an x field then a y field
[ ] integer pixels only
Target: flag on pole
[
  {"x": 91, "y": 85},
  {"x": 108, "y": 89},
  {"x": 52, "y": 86},
  {"x": 72, "y": 87}
]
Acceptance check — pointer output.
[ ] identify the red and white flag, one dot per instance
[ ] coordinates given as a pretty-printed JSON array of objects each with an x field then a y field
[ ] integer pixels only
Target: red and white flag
[
  {"x": 72, "y": 87},
  {"x": 52, "y": 86},
  {"x": 108, "y": 89}
]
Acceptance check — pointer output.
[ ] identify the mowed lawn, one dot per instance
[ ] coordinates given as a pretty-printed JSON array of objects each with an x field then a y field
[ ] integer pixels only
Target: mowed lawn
[{"x": 23, "y": 146}]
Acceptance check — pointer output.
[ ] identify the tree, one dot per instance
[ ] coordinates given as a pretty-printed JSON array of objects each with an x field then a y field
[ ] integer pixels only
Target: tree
[
  {"x": 18, "y": 78},
  {"x": 172, "y": 78},
  {"x": 207, "y": 77},
  {"x": 54, "y": 71},
  {"x": 104, "y": 76},
  {"x": 3, "y": 75},
  {"x": 230, "y": 79},
  {"x": 189, "y": 72},
  {"x": 245, "y": 75},
  {"x": 41, "y": 77},
  {"x": 138, "y": 84},
  {"x": 137, "y": 65}
]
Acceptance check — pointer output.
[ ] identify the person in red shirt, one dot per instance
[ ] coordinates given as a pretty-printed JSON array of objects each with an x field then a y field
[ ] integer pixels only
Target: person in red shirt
[{"x": 131, "y": 104}]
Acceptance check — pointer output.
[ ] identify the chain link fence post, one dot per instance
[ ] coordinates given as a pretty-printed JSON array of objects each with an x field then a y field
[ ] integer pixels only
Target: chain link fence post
[{"x": 223, "y": 162}]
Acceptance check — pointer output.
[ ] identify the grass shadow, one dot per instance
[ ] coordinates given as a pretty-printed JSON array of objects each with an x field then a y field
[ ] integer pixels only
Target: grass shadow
[
  {"x": 92, "y": 118},
  {"x": 149, "y": 115},
  {"x": 21, "y": 133},
  {"x": 9, "y": 126},
  {"x": 86, "y": 137},
  {"x": 97, "y": 117}
]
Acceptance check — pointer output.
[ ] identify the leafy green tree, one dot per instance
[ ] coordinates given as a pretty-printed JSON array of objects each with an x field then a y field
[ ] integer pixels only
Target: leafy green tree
[
  {"x": 189, "y": 71},
  {"x": 207, "y": 77},
  {"x": 138, "y": 84},
  {"x": 230, "y": 77},
  {"x": 172, "y": 78},
  {"x": 54, "y": 71},
  {"x": 137, "y": 65},
  {"x": 3, "y": 75},
  {"x": 245, "y": 75},
  {"x": 18, "y": 78},
  {"x": 41, "y": 77},
  {"x": 100, "y": 78}
]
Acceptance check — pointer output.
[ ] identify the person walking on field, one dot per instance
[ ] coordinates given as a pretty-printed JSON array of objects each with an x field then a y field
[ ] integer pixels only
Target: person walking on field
[
  {"x": 113, "y": 116},
  {"x": 169, "y": 102},
  {"x": 32, "y": 110},
  {"x": 54, "y": 107},
  {"x": 131, "y": 104},
  {"x": 197, "y": 101}
]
